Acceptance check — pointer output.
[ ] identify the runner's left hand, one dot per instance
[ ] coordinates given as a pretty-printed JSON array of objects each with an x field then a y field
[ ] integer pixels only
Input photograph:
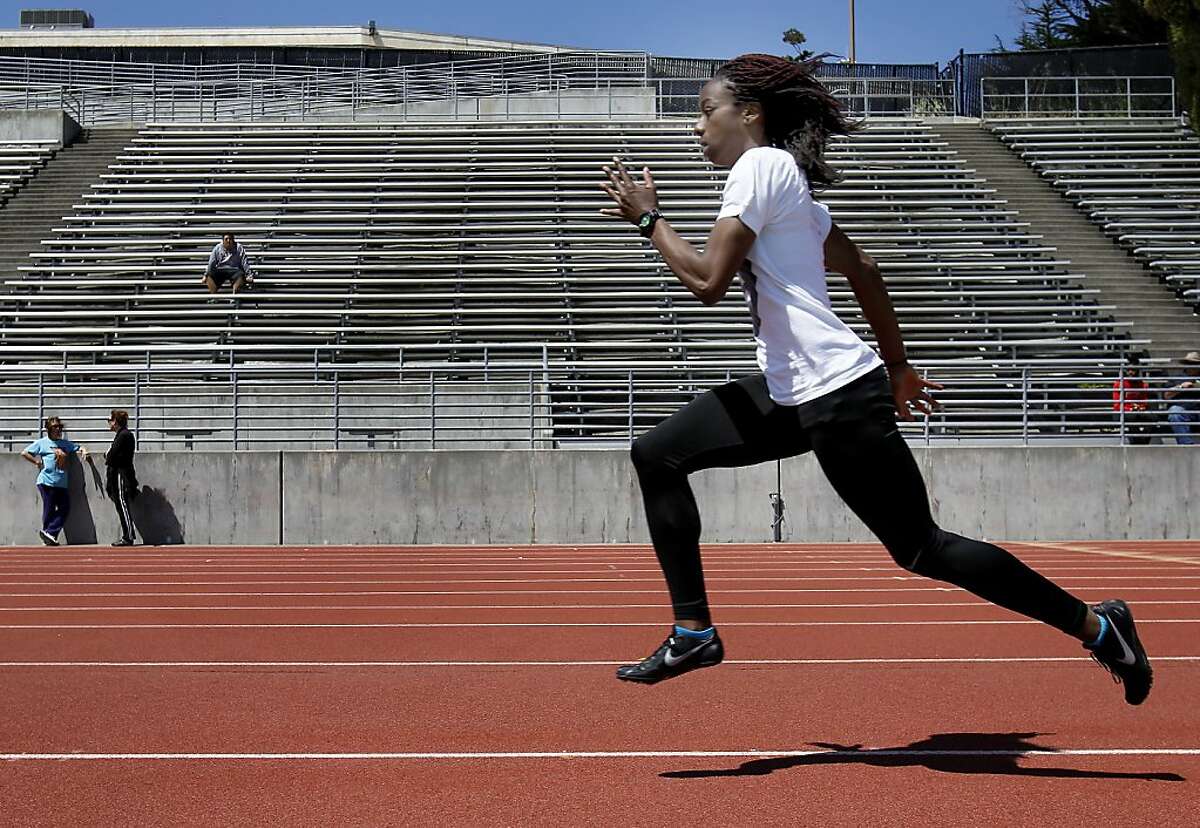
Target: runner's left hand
[
  {"x": 632, "y": 199},
  {"x": 908, "y": 391}
]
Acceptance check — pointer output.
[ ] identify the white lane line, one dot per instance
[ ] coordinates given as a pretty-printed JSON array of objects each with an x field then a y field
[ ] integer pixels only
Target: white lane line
[
  {"x": 333, "y": 593},
  {"x": 860, "y": 754},
  {"x": 580, "y": 567},
  {"x": 441, "y": 607},
  {"x": 1122, "y": 553},
  {"x": 542, "y": 624},
  {"x": 744, "y": 662},
  {"x": 15, "y": 566},
  {"x": 11, "y": 561},
  {"x": 657, "y": 579},
  {"x": 164, "y": 560}
]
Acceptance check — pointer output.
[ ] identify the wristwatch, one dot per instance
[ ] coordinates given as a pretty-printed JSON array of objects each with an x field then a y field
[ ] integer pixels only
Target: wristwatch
[{"x": 646, "y": 222}]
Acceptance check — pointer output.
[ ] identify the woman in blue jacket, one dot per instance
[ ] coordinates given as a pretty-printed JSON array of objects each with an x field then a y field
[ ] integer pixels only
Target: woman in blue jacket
[{"x": 51, "y": 454}]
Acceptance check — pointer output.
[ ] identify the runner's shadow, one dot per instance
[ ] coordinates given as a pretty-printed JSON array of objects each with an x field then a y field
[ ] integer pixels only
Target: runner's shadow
[{"x": 984, "y": 753}]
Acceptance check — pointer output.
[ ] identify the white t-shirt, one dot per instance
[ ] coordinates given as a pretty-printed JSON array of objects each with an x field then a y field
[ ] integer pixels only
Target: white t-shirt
[{"x": 804, "y": 350}]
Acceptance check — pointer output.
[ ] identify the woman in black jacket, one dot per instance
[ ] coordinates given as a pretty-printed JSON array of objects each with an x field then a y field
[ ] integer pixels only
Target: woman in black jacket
[{"x": 121, "y": 483}]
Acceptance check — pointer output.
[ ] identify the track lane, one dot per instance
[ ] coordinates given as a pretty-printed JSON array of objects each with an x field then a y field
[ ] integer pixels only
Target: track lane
[
  {"x": 992, "y": 709},
  {"x": 511, "y": 709},
  {"x": 844, "y": 791}
]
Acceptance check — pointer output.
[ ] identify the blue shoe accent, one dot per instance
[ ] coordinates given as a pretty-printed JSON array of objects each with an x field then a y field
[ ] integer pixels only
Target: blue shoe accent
[
  {"x": 1104, "y": 624},
  {"x": 700, "y": 634}
]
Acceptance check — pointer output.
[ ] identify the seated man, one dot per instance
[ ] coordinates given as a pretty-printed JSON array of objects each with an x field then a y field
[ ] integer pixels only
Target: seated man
[
  {"x": 1184, "y": 399},
  {"x": 228, "y": 262}
]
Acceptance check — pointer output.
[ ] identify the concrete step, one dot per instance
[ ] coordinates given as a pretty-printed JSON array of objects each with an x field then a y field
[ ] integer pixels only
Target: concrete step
[{"x": 31, "y": 215}]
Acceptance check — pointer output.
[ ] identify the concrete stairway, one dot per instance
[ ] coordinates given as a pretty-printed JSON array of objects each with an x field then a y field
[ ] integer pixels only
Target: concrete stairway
[
  {"x": 40, "y": 205},
  {"x": 1138, "y": 296}
]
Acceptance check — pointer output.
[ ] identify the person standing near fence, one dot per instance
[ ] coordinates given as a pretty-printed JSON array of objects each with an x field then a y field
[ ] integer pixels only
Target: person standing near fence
[
  {"x": 121, "y": 483},
  {"x": 52, "y": 454},
  {"x": 1131, "y": 396},
  {"x": 820, "y": 387}
]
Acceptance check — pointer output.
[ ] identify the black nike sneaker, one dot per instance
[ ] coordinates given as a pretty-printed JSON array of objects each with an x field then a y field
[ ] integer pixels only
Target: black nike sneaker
[
  {"x": 1121, "y": 653},
  {"x": 679, "y": 654}
]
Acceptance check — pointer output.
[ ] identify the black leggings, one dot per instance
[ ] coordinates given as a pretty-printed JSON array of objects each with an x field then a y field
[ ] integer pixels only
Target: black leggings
[{"x": 853, "y": 432}]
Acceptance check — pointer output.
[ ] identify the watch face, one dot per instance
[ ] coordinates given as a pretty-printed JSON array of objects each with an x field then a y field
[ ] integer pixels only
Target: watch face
[{"x": 645, "y": 220}]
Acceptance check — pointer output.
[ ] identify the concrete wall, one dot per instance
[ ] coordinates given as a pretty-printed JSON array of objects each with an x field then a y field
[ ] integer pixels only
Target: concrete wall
[
  {"x": 592, "y": 497},
  {"x": 186, "y": 497},
  {"x": 49, "y": 125}
]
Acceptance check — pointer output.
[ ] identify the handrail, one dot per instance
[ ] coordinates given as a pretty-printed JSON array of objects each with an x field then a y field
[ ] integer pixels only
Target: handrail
[
  {"x": 78, "y": 74},
  {"x": 407, "y": 96},
  {"x": 99, "y": 93},
  {"x": 339, "y": 405},
  {"x": 1083, "y": 96}
]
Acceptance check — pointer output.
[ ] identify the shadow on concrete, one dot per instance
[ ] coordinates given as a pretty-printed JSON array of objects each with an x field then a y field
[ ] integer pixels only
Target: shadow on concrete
[
  {"x": 154, "y": 518},
  {"x": 972, "y": 753},
  {"x": 80, "y": 527}
]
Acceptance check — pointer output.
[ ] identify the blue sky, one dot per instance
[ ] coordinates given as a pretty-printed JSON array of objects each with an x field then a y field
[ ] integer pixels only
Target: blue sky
[{"x": 899, "y": 31}]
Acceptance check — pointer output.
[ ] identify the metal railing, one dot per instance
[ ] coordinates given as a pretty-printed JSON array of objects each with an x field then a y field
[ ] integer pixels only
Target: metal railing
[
  {"x": 894, "y": 96},
  {"x": 119, "y": 92},
  {"x": 72, "y": 73},
  {"x": 79, "y": 73},
  {"x": 459, "y": 406},
  {"x": 40, "y": 96},
  {"x": 1081, "y": 97},
  {"x": 405, "y": 99},
  {"x": 861, "y": 96},
  {"x": 560, "y": 85},
  {"x": 154, "y": 93}
]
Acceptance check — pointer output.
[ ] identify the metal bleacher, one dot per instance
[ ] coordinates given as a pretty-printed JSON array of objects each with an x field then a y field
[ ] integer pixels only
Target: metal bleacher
[
  {"x": 469, "y": 234},
  {"x": 1138, "y": 178},
  {"x": 19, "y": 162},
  {"x": 442, "y": 241}
]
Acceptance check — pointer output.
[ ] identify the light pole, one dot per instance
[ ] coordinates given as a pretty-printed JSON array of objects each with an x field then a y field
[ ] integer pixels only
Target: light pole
[{"x": 852, "y": 60}]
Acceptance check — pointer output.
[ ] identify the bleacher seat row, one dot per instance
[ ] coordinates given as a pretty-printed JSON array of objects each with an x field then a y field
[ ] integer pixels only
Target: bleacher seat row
[
  {"x": 19, "y": 162},
  {"x": 470, "y": 236},
  {"x": 387, "y": 233},
  {"x": 1139, "y": 178}
]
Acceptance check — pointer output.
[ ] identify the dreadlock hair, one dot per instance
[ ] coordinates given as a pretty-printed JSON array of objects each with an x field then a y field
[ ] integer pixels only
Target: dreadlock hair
[{"x": 801, "y": 115}]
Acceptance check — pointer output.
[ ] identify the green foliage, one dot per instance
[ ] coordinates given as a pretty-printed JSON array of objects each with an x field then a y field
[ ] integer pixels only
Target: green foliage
[
  {"x": 1045, "y": 28},
  {"x": 1059, "y": 24},
  {"x": 796, "y": 39},
  {"x": 1183, "y": 20}
]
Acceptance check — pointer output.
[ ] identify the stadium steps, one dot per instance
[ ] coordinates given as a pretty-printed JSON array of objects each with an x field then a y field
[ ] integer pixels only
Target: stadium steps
[
  {"x": 39, "y": 206},
  {"x": 1122, "y": 281}
]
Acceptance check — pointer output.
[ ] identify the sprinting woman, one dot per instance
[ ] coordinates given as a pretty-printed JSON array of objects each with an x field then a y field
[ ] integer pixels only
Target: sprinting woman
[{"x": 820, "y": 387}]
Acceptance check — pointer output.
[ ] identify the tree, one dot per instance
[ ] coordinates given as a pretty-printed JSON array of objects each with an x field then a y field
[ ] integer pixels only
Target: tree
[
  {"x": 1183, "y": 20},
  {"x": 1046, "y": 29},
  {"x": 1058, "y": 24},
  {"x": 796, "y": 39},
  {"x": 1116, "y": 23}
]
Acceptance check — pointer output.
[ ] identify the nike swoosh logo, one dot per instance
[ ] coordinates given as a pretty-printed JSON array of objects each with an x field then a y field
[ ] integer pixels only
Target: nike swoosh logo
[
  {"x": 672, "y": 660},
  {"x": 1127, "y": 656}
]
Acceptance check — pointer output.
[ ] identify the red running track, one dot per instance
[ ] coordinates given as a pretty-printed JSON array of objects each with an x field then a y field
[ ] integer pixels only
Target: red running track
[{"x": 414, "y": 685}]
